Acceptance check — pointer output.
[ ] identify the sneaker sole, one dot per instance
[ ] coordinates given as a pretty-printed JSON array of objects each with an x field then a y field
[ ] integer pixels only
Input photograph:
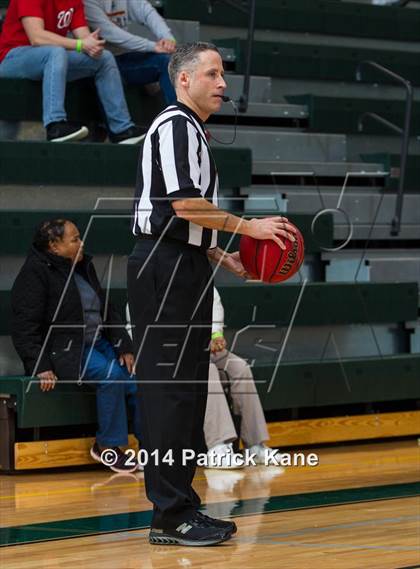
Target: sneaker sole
[
  {"x": 94, "y": 455},
  {"x": 78, "y": 135},
  {"x": 133, "y": 141},
  {"x": 170, "y": 540},
  {"x": 113, "y": 468},
  {"x": 123, "y": 470}
]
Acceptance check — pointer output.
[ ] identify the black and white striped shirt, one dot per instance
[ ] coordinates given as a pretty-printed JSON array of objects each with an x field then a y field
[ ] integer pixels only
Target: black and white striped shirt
[{"x": 175, "y": 163}]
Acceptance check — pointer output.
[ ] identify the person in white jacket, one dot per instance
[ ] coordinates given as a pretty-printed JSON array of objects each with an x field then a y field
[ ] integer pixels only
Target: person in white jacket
[
  {"x": 140, "y": 60},
  {"x": 219, "y": 429}
]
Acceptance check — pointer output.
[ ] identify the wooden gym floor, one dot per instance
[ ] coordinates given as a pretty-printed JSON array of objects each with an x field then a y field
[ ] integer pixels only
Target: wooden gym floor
[{"x": 359, "y": 508}]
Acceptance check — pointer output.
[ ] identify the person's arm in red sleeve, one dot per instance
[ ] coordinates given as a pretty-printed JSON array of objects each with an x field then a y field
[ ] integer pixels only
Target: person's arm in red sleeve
[
  {"x": 37, "y": 34},
  {"x": 30, "y": 8},
  {"x": 31, "y": 13},
  {"x": 33, "y": 23},
  {"x": 79, "y": 19}
]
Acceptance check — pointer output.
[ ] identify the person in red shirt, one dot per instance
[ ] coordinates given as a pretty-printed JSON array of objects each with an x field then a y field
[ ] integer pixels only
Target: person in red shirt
[{"x": 34, "y": 44}]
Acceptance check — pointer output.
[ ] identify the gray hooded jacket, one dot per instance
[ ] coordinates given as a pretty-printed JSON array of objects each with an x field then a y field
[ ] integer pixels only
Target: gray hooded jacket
[{"x": 112, "y": 17}]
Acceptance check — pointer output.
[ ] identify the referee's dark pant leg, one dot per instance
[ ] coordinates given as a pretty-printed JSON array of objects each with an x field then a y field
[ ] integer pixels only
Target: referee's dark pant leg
[{"x": 171, "y": 310}]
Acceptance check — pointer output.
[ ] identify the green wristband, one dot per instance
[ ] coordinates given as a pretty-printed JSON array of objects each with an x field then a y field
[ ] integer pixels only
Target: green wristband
[
  {"x": 217, "y": 335},
  {"x": 79, "y": 46}
]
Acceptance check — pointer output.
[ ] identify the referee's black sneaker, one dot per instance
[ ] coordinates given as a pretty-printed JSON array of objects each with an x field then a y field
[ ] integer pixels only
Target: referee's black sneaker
[
  {"x": 228, "y": 526},
  {"x": 196, "y": 532},
  {"x": 132, "y": 135},
  {"x": 64, "y": 131}
]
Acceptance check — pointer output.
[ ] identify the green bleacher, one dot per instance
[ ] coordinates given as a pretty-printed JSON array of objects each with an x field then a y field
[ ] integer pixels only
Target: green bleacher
[
  {"x": 392, "y": 163},
  {"x": 297, "y": 384},
  {"x": 341, "y": 114},
  {"x": 109, "y": 230},
  {"x": 69, "y": 404},
  {"x": 346, "y": 381},
  {"x": 311, "y": 60},
  {"x": 322, "y": 304},
  {"x": 88, "y": 164},
  {"x": 312, "y": 16},
  {"x": 294, "y": 385},
  {"x": 82, "y": 103}
]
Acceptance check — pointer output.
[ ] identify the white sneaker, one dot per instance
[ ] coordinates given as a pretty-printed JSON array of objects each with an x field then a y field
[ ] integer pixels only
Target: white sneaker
[
  {"x": 263, "y": 455},
  {"x": 222, "y": 456},
  {"x": 133, "y": 135},
  {"x": 223, "y": 481}
]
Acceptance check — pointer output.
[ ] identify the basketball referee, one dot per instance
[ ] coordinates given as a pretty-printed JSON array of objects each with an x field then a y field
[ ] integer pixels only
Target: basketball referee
[{"x": 170, "y": 291}]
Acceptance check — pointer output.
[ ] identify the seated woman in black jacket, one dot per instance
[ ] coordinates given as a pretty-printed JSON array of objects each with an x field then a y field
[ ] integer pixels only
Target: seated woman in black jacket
[{"x": 63, "y": 329}]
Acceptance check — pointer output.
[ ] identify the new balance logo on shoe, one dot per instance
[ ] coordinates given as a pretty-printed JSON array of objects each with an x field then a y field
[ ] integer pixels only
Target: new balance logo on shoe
[{"x": 184, "y": 528}]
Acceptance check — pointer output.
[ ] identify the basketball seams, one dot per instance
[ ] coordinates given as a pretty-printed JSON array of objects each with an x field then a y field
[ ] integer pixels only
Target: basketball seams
[
  {"x": 279, "y": 261},
  {"x": 297, "y": 264}
]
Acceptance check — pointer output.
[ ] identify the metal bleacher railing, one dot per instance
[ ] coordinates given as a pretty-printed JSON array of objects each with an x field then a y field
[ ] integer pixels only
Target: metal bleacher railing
[
  {"x": 405, "y": 132},
  {"x": 250, "y": 10}
]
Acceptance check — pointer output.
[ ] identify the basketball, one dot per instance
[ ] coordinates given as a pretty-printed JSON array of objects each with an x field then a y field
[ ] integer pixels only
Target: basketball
[{"x": 266, "y": 261}]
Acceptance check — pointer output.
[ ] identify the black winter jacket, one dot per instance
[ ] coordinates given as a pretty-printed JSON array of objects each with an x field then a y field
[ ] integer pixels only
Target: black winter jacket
[{"x": 43, "y": 295}]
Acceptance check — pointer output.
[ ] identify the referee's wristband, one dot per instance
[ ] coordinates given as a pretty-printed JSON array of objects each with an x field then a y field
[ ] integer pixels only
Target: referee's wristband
[
  {"x": 217, "y": 335},
  {"x": 79, "y": 46}
]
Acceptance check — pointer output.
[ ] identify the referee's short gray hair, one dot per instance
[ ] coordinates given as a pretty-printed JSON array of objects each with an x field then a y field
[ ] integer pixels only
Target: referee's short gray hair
[{"x": 185, "y": 58}]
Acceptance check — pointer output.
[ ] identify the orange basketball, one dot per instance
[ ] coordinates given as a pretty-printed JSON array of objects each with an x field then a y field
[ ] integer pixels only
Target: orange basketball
[{"x": 266, "y": 261}]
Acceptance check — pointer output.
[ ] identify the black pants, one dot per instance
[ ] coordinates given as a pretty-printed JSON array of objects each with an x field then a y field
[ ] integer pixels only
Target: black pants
[{"x": 170, "y": 297}]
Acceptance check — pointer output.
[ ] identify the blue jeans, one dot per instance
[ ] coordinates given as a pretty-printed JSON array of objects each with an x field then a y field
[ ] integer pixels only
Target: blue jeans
[
  {"x": 113, "y": 385},
  {"x": 141, "y": 68},
  {"x": 55, "y": 66}
]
